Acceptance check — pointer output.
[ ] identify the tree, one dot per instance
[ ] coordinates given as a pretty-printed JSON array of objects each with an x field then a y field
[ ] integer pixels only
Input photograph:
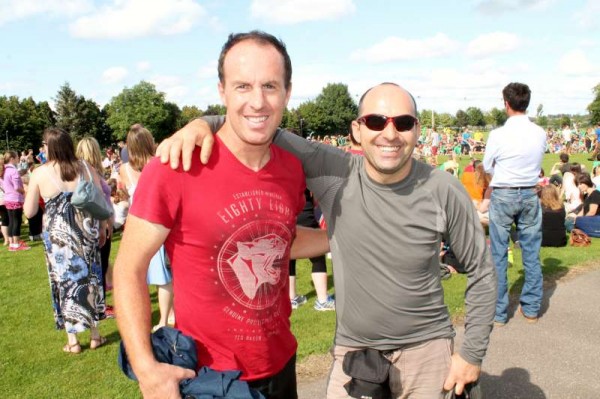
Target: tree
[
  {"x": 330, "y": 113},
  {"x": 425, "y": 117},
  {"x": 80, "y": 117},
  {"x": 594, "y": 107},
  {"x": 187, "y": 114},
  {"x": 564, "y": 120},
  {"x": 215, "y": 109},
  {"x": 542, "y": 121},
  {"x": 141, "y": 104},
  {"x": 445, "y": 120},
  {"x": 540, "y": 110},
  {"x": 22, "y": 122},
  {"x": 475, "y": 117},
  {"x": 309, "y": 114},
  {"x": 66, "y": 102},
  {"x": 462, "y": 119},
  {"x": 91, "y": 121},
  {"x": 497, "y": 117}
]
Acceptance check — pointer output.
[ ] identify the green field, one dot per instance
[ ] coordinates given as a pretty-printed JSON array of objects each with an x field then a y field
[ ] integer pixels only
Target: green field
[{"x": 32, "y": 364}]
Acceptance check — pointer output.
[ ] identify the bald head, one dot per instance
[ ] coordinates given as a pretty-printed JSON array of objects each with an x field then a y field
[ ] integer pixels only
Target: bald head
[{"x": 384, "y": 88}]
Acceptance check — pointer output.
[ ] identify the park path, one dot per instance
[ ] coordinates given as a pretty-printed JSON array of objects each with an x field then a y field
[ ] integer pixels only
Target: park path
[{"x": 558, "y": 357}]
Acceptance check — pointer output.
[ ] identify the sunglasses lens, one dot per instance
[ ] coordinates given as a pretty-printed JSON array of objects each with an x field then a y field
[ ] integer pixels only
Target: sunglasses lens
[
  {"x": 375, "y": 122},
  {"x": 404, "y": 123}
]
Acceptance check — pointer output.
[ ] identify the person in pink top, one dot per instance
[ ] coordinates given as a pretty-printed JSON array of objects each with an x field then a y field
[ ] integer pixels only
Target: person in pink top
[{"x": 14, "y": 196}]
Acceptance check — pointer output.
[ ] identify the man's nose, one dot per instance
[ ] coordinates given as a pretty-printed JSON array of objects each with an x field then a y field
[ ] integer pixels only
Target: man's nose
[{"x": 257, "y": 98}]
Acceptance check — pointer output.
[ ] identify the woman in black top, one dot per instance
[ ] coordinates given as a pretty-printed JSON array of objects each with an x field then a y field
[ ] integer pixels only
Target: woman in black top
[
  {"x": 588, "y": 219},
  {"x": 554, "y": 233}
]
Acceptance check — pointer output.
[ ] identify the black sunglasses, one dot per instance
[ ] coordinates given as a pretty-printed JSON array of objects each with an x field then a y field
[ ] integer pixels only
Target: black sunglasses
[{"x": 378, "y": 122}]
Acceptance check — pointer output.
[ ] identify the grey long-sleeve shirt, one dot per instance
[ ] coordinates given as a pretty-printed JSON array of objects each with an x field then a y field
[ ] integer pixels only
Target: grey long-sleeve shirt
[{"x": 385, "y": 242}]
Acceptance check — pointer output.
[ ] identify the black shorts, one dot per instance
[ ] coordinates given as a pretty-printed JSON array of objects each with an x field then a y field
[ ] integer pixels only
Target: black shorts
[
  {"x": 280, "y": 386},
  {"x": 3, "y": 216}
]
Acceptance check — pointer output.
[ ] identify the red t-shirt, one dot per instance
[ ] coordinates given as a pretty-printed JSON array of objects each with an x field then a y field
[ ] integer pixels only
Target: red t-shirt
[{"x": 229, "y": 241}]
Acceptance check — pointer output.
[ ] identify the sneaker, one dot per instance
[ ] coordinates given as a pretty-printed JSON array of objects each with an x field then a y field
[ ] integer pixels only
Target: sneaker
[
  {"x": 23, "y": 247},
  {"x": 329, "y": 304},
  {"x": 299, "y": 300}
]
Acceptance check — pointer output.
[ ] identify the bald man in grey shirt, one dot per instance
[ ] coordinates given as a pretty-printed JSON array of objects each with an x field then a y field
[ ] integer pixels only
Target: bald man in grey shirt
[{"x": 386, "y": 216}]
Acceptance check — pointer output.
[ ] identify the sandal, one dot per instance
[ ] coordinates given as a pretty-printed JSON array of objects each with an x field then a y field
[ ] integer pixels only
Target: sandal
[
  {"x": 95, "y": 343},
  {"x": 75, "y": 348}
]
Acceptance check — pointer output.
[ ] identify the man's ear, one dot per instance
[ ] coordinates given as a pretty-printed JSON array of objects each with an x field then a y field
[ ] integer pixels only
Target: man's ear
[
  {"x": 222, "y": 93},
  {"x": 356, "y": 131}
]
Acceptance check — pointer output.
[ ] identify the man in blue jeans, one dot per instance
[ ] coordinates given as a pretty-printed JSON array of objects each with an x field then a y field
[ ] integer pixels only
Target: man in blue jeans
[{"x": 513, "y": 156}]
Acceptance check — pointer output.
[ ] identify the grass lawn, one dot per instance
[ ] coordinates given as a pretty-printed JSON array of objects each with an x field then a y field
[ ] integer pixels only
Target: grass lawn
[{"x": 32, "y": 364}]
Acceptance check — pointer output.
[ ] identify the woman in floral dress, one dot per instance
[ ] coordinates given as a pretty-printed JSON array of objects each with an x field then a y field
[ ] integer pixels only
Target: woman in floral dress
[{"x": 72, "y": 240}]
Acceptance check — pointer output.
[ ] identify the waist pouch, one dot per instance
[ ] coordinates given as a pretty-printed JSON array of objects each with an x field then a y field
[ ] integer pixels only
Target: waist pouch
[{"x": 369, "y": 370}]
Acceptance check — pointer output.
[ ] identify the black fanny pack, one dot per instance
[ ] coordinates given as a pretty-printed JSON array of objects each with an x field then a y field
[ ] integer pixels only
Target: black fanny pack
[{"x": 370, "y": 370}]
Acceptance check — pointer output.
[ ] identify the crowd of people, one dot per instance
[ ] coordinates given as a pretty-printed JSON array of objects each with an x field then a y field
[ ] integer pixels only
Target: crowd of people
[{"x": 218, "y": 235}]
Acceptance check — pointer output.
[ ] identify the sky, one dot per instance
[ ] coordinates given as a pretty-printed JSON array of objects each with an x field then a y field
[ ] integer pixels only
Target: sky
[{"x": 450, "y": 55}]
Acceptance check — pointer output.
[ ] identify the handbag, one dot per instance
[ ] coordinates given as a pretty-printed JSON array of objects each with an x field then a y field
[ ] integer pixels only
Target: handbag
[
  {"x": 369, "y": 369},
  {"x": 579, "y": 238},
  {"x": 88, "y": 198}
]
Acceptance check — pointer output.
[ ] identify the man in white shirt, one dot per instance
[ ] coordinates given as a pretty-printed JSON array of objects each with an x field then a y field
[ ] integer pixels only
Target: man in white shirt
[{"x": 513, "y": 156}]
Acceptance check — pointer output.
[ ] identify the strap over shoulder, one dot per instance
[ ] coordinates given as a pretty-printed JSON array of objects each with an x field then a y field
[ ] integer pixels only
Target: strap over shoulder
[{"x": 87, "y": 170}]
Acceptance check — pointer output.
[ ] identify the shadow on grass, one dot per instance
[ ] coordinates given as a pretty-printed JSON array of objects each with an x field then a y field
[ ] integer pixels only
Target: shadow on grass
[
  {"x": 514, "y": 383},
  {"x": 313, "y": 293},
  {"x": 553, "y": 270}
]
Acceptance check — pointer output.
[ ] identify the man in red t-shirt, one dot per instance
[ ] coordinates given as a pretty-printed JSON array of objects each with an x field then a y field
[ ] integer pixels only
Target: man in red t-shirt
[{"x": 227, "y": 227}]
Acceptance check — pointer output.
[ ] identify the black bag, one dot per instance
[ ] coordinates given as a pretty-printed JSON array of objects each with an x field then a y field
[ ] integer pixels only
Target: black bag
[{"x": 369, "y": 370}]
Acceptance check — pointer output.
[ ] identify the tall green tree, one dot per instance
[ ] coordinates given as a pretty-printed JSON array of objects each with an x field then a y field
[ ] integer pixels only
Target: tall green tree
[
  {"x": 329, "y": 114},
  {"x": 594, "y": 107},
  {"x": 66, "y": 103},
  {"x": 475, "y": 116},
  {"x": 141, "y": 104},
  {"x": 80, "y": 116}
]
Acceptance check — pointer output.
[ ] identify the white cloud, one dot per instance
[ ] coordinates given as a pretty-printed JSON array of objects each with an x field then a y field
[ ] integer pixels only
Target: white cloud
[
  {"x": 296, "y": 11},
  {"x": 396, "y": 48},
  {"x": 494, "y": 7},
  {"x": 114, "y": 75},
  {"x": 208, "y": 71},
  {"x": 492, "y": 43},
  {"x": 576, "y": 63},
  {"x": 589, "y": 15},
  {"x": 172, "y": 86},
  {"x": 138, "y": 18},
  {"x": 12, "y": 10},
  {"x": 142, "y": 66}
]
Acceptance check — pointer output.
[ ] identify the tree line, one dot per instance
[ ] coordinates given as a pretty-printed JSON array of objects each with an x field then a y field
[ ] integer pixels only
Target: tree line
[{"x": 330, "y": 113}]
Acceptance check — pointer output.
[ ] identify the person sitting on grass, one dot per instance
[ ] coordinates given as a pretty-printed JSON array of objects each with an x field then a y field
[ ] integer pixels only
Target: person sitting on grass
[
  {"x": 588, "y": 218},
  {"x": 554, "y": 232}
]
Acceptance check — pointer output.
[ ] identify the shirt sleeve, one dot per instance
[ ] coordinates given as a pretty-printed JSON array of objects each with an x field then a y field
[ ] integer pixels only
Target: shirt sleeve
[
  {"x": 157, "y": 197},
  {"x": 214, "y": 121},
  {"x": 468, "y": 242},
  {"x": 489, "y": 155}
]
